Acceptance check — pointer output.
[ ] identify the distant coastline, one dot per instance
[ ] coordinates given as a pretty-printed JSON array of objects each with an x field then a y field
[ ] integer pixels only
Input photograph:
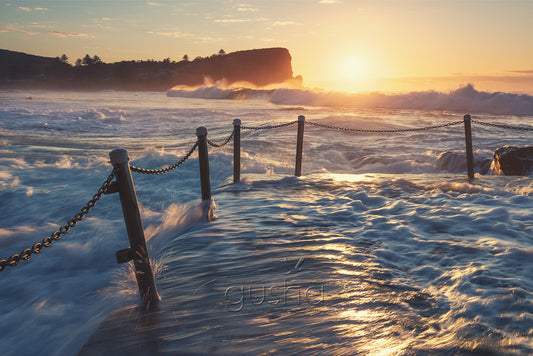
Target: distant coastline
[{"x": 258, "y": 67}]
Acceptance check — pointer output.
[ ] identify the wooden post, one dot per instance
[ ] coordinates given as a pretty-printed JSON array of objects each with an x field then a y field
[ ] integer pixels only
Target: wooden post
[
  {"x": 203, "y": 161},
  {"x": 137, "y": 250},
  {"x": 236, "y": 151},
  {"x": 468, "y": 142},
  {"x": 299, "y": 146}
]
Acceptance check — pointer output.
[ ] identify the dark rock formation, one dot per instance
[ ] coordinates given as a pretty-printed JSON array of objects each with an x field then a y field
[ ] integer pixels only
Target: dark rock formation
[
  {"x": 259, "y": 67},
  {"x": 513, "y": 160},
  {"x": 18, "y": 68}
]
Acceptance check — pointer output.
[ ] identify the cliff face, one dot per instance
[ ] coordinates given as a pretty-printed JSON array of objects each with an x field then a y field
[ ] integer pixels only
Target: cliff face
[
  {"x": 259, "y": 67},
  {"x": 17, "y": 67}
]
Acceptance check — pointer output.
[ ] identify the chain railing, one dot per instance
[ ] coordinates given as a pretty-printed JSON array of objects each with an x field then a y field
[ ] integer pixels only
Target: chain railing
[
  {"x": 165, "y": 169},
  {"x": 214, "y": 144},
  {"x": 383, "y": 131},
  {"x": 502, "y": 126},
  {"x": 269, "y": 127},
  {"x": 56, "y": 235}
]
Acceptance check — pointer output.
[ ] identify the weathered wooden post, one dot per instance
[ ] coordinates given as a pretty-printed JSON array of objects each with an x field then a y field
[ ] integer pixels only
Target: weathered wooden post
[
  {"x": 468, "y": 141},
  {"x": 299, "y": 146},
  {"x": 137, "y": 250},
  {"x": 236, "y": 151},
  {"x": 203, "y": 160}
]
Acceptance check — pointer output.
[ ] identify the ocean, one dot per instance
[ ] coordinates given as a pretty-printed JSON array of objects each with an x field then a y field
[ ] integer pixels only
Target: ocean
[{"x": 381, "y": 247}]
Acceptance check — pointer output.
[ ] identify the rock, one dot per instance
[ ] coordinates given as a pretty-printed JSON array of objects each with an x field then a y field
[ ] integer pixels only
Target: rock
[
  {"x": 259, "y": 67},
  {"x": 513, "y": 160}
]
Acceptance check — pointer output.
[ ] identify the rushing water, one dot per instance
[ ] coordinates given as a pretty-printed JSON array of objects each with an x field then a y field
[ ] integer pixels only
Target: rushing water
[{"x": 381, "y": 247}]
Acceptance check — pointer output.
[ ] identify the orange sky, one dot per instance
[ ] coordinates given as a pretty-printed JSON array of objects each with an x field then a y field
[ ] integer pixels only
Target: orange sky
[{"x": 350, "y": 45}]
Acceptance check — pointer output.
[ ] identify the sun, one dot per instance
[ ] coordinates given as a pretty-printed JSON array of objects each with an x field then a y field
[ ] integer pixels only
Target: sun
[{"x": 353, "y": 67}]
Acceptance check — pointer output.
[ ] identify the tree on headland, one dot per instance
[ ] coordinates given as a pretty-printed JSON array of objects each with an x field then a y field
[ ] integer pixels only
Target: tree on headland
[
  {"x": 63, "y": 58},
  {"x": 78, "y": 62},
  {"x": 186, "y": 58},
  {"x": 87, "y": 60},
  {"x": 221, "y": 52}
]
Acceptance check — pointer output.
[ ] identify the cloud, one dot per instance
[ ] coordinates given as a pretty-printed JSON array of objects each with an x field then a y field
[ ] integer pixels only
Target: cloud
[
  {"x": 171, "y": 34},
  {"x": 103, "y": 23},
  {"x": 27, "y": 9},
  {"x": 522, "y": 72},
  {"x": 67, "y": 34},
  {"x": 178, "y": 34},
  {"x": 233, "y": 20},
  {"x": 330, "y": 2},
  {"x": 13, "y": 28},
  {"x": 151, "y": 3},
  {"x": 284, "y": 23},
  {"x": 246, "y": 8},
  {"x": 38, "y": 25},
  {"x": 261, "y": 19}
]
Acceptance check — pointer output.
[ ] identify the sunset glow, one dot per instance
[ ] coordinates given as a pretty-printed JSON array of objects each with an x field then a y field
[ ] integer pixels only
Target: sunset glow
[
  {"x": 359, "y": 43},
  {"x": 354, "y": 67}
]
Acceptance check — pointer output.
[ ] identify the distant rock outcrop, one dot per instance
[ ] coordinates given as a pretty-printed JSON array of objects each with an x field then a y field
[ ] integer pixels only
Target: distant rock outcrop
[
  {"x": 513, "y": 160},
  {"x": 259, "y": 67}
]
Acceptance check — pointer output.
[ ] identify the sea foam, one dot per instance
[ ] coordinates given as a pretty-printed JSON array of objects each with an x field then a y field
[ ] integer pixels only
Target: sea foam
[{"x": 466, "y": 99}]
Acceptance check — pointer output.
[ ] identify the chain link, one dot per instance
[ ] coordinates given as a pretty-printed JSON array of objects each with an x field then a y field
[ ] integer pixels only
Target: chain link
[
  {"x": 56, "y": 235},
  {"x": 383, "y": 131},
  {"x": 268, "y": 127},
  {"x": 214, "y": 144},
  {"x": 166, "y": 169},
  {"x": 501, "y": 126}
]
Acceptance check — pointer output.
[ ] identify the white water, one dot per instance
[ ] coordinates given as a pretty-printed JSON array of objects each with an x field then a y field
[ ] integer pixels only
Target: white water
[{"x": 412, "y": 258}]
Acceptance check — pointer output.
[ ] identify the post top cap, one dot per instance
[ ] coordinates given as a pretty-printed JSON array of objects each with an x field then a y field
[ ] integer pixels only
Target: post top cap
[
  {"x": 467, "y": 117},
  {"x": 118, "y": 155},
  {"x": 237, "y": 122},
  {"x": 201, "y": 131},
  {"x": 301, "y": 118}
]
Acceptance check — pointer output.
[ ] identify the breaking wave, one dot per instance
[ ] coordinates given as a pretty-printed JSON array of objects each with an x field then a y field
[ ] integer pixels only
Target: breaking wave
[{"x": 466, "y": 99}]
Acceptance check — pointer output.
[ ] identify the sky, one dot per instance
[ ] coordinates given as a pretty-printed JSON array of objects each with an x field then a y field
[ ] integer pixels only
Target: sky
[{"x": 344, "y": 44}]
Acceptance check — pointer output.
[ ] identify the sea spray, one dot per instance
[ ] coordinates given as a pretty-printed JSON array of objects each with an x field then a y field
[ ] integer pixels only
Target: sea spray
[{"x": 466, "y": 99}]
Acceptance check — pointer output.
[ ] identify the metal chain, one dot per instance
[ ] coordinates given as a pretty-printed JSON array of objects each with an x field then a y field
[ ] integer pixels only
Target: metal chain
[
  {"x": 56, "y": 235},
  {"x": 214, "y": 144},
  {"x": 503, "y": 126},
  {"x": 166, "y": 169},
  {"x": 269, "y": 126},
  {"x": 383, "y": 131}
]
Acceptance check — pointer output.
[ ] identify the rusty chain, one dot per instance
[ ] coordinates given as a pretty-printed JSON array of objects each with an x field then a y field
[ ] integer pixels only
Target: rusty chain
[
  {"x": 501, "y": 126},
  {"x": 56, "y": 235},
  {"x": 166, "y": 169},
  {"x": 268, "y": 127},
  {"x": 214, "y": 144},
  {"x": 383, "y": 131}
]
